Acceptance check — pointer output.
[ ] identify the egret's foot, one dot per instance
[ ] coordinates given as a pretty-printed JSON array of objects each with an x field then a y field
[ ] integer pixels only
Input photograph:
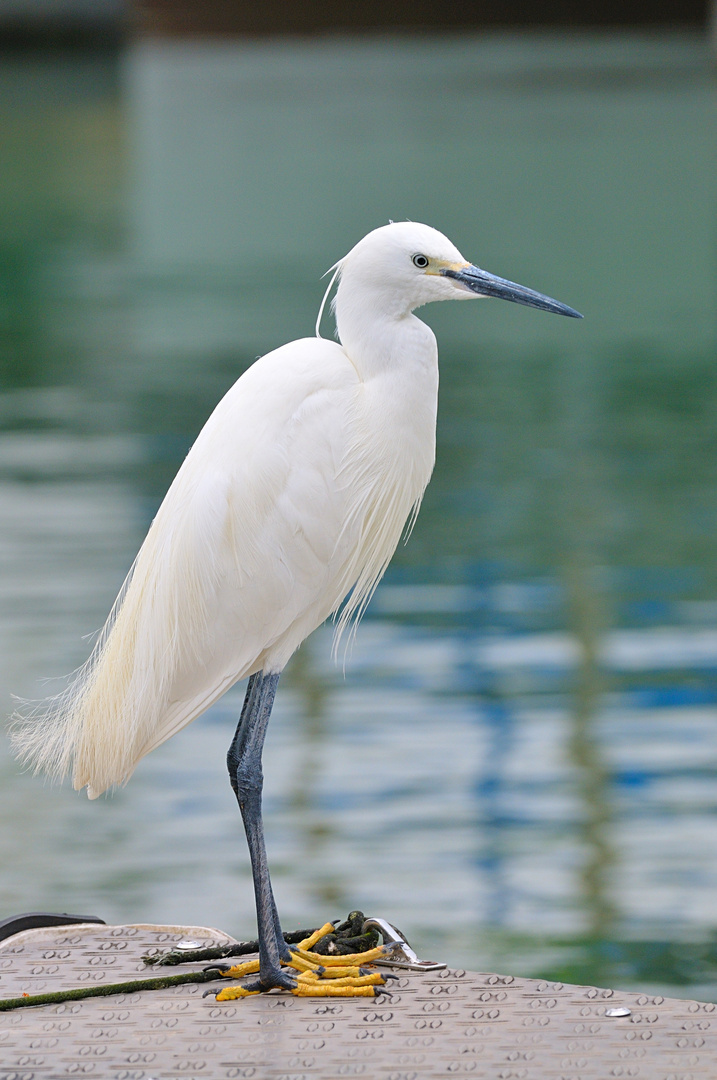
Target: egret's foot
[
  {"x": 340, "y": 982},
  {"x": 338, "y": 976},
  {"x": 316, "y": 975},
  {"x": 334, "y": 976}
]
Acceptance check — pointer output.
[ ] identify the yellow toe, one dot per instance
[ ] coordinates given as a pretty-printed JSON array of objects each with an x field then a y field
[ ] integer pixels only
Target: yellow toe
[
  {"x": 300, "y": 964},
  {"x": 349, "y": 960},
  {"x": 249, "y": 968},
  {"x": 309, "y": 978},
  {"x": 330, "y": 989},
  {"x": 231, "y": 993},
  {"x": 350, "y": 972},
  {"x": 307, "y": 943}
]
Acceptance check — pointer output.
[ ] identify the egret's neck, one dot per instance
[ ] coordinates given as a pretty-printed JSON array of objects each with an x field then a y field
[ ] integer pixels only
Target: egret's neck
[{"x": 380, "y": 337}]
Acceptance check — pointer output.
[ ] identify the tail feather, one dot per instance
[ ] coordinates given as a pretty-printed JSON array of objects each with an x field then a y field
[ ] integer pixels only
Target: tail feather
[
  {"x": 55, "y": 735},
  {"x": 116, "y": 707},
  {"x": 108, "y": 716}
]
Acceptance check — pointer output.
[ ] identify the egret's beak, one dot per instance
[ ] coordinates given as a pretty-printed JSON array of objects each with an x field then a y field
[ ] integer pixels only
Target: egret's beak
[{"x": 485, "y": 284}]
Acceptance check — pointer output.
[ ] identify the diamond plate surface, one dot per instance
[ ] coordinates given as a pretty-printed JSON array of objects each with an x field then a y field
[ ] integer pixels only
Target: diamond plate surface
[{"x": 443, "y": 1024}]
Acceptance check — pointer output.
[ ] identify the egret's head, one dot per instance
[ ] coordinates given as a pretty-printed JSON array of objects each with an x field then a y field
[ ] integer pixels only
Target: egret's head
[{"x": 405, "y": 264}]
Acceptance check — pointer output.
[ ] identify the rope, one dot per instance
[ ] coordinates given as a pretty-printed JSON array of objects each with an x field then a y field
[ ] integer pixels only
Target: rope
[
  {"x": 346, "y": 938},
  {"x": 130, "y": 987}
]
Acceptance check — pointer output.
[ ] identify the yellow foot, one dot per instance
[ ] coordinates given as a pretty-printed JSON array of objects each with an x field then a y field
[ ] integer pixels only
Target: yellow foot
[
  {"x": 317, "y": 975},
  {"x": 338, "y": 982},
  {"x": 335, "y": 976}
]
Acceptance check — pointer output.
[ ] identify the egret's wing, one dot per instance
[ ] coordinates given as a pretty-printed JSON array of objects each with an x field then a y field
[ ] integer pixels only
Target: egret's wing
[{"x": 238, "y": 552}]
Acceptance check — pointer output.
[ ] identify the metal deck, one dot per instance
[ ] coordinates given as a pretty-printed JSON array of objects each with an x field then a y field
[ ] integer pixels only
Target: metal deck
[{"x": 438, "y": 1025}]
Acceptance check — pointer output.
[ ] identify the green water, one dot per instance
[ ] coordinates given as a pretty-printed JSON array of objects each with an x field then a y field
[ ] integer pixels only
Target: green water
[{"x": 519, "y": 767}]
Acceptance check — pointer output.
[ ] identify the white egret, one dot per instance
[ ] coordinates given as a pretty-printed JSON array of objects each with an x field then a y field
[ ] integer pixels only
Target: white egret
[{"x": 293, "y": 497}]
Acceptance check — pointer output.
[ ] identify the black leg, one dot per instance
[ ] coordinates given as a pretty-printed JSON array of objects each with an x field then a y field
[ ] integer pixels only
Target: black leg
[
  {"x": 245, "y": 774},
  {"x": 233, "y": 759},
  {"x": 239, "y": 739}
]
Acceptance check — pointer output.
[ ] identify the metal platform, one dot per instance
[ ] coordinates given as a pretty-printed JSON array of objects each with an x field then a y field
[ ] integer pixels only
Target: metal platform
[{"x": 437, "y": 1024}]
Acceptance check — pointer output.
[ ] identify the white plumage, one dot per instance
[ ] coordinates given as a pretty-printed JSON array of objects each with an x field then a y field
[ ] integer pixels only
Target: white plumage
[{"x": 293, "y": 497}]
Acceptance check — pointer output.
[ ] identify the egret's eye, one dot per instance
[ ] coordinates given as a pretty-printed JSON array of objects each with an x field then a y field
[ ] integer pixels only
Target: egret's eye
[{"x": 420, "y": 261}]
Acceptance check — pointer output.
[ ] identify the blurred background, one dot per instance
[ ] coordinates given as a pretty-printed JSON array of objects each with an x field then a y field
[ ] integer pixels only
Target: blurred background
[{"x": 519, "y": 764}]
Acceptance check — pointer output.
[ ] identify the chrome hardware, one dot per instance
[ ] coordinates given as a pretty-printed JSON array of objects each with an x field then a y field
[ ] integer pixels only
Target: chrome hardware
[{"x": 401, "y": 954}]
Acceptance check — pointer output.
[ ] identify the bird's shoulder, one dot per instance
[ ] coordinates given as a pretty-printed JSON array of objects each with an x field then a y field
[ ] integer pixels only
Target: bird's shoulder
[
  {"x": 280, "y": 380},
  {"x": 272, "y": 422},
  {"x": 286, "y": 394}
]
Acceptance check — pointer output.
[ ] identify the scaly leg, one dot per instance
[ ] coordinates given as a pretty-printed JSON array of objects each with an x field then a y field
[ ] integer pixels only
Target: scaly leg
[
  {"x": 245, "y": 773},
  {"x": 233, "y": 757}
]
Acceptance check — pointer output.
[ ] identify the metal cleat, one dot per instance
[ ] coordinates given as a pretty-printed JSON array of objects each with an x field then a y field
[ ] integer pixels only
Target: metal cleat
[{"x": 401, "y": 955}]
